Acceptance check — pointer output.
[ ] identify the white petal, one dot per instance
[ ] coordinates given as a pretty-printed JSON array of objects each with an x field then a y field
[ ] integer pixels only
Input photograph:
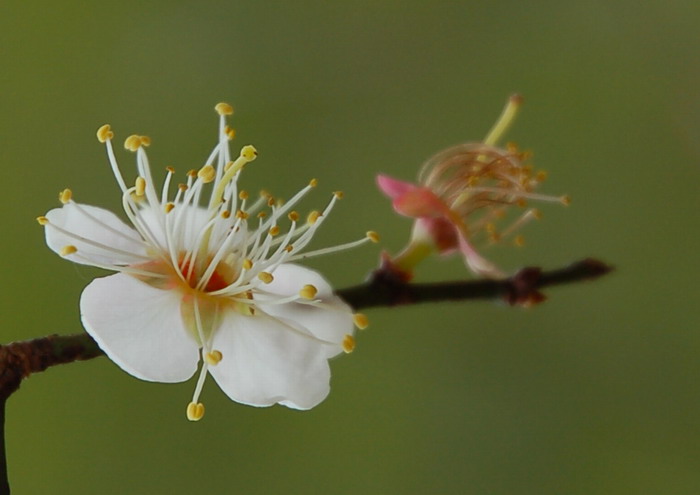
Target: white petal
[
  {"x": 265, "y": 362},
  {"x": 140, "y": 328},
  {"x": 330, "y": 322},
  {"x": 104, "y": 228}
]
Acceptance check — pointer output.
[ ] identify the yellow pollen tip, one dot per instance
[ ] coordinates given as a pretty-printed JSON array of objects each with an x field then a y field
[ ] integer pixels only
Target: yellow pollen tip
[
  {"x": 104, "y": 133},
  {"x": 42, "y": 220},
  {"x": 192, "y": 173},
  {"x": 262, "y": 214},
  {"x": 230, "y": 132},
  {"x": 313, "y": 217},
  {"x": 373, "y": 236},
  {"x": 170, "y": 170},
  {"x": 266, "y": 277},
  {"x": 293, "y": 216},
  {"x": 274, "y": 230},
  {"x": 182, "y": 187},
  {"x": 536, "y": 214},
  {"x": 243, "y": 195},
  {"x": 308, "y": 292},
  {"x": 225, "y": 214},
  {"x": 249, "y": 153},
  {"x": 270, "y": 201},
  {"x": 207, "y": 173},
  {"x": 565, "y": 200},
  {"x": 360, "y": 320},
  {"x": 169, "y": 207},
  {"x": 65, "y": 196},
  {"x": 195, "y": 411},
  {"x": 247, "y": 264},
  {"x": 133, "y": 142},
  {"x": 67, "y": 250},
  {"x": 348, "y": 344},
  {"x": 223, "y": 109},
  {"x": 519, "y": 241},
  {"x": 289, "y": 248},
  {"x": 213, "y": 357},
  {"x": 339, "y": 194},
  {"x": 541, "y": 175},
  {"x": 241, "y": 214},
  {"x": 140, "y": 186},
  {"x": 313, "y": 182},
  {"x": 145, "y": 141}
]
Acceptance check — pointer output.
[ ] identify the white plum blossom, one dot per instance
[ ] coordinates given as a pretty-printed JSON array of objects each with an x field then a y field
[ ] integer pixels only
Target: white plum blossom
[{"x": 206, "y": 280}]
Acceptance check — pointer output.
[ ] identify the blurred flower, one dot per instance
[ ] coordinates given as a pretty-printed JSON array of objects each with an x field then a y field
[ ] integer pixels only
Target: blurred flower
[
  {"x": 461, "y": 195},
  {"x": 201, "y": 281}
]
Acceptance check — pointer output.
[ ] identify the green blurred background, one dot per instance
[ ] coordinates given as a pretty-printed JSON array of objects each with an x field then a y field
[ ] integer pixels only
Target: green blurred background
[{"x": 594, "y": 392}]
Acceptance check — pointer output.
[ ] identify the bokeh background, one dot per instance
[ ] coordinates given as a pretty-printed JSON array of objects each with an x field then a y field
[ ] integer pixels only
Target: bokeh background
[{"x": 595, "y": 392}]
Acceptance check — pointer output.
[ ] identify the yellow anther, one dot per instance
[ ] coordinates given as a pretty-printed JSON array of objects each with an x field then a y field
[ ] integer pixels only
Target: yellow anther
[
  {"x": 228, "y": 166},
  {"x": 243, "y": 195},
  {"x": 212, "y": 358},
  {"x": 104, "y": 133},
  {"x": 522, "y": 203},
  {"x": 293, "y": 216},
  {"x": 67, "y": 250},
  {"x": 262, "y": 214},
  {"x": 170, "y": 170},
  {"x": 230, "y": 132},
  {"x": 270, "y": 201},
  {"x": 225, "y": 214},
  {"x": 536, "y": 214},
  {"x": 519, "y": 240},
  {"x": 266, "y": 277},
  {"x": 373, "y": 236},
  {"x": 360, "y": 320},
  {"x": 42, "y": 220},
  {"x": 169, "y": 207},
  {"x": 541, "y": 175},
  {"x": 133, "y": 142},
  {"x": 348, "y": 343},
  {"x": 339, "y": 194},
  {"x": 207, "y": 173},
  {"x": 140, "y": 186},
  {"x": 145, "y": 141},
  {"x": 224, "y": 109},
  {"x": 182, "y": 187},
  {"x": 241, "y": 214},
  {"x": 274, "y": 230},
  {"x": 565, "y": 200},
  {"x": 313, "y": 216},
  {"x": 308, "y": 291},
  {"x": 247, "y": 264},
  {"x": 265, "y": 194},
  {"x": 195, "y": 411},
  {"x": 289, "y": 248},
  {"x": 313, "y": 182},
  {"x": 249, "y": 153},
  {"x": 65, "y": 196},
  {"x": 192, "y": 173}
]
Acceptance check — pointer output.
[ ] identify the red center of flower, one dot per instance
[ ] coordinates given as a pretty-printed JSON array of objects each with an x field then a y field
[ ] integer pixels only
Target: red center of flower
[{"x": 220, "y": 279}]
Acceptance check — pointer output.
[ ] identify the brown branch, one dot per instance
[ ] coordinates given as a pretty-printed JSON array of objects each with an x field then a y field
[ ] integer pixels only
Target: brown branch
[
  {"x": 384, "y": 288},
  {"x": 388, "y": 287}
]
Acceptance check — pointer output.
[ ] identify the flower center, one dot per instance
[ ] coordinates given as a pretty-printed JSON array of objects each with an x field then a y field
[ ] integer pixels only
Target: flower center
[{"x": 221, "y": 278}]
